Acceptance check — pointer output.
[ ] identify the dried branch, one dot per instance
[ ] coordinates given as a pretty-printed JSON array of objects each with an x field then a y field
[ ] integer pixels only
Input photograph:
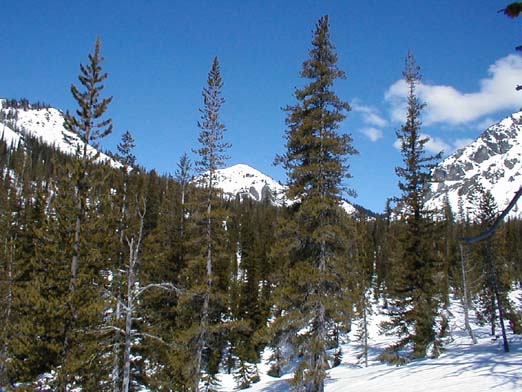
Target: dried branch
[{"x": 491, "y": 230}]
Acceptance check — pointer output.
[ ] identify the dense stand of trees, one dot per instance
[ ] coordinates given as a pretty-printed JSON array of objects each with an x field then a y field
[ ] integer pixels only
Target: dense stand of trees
[{"x": 117, "y": 278}]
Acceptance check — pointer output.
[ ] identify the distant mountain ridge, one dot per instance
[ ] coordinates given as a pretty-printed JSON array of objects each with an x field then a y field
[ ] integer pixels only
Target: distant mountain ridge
[
  {"x": 42, "y": 122},
  {"x": 493, "y": 161},
  {"x": 245, "y": 181}
]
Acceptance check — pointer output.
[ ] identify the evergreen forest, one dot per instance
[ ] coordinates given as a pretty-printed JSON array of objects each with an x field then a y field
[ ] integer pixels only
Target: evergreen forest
[{"x": 114, "y": 277}]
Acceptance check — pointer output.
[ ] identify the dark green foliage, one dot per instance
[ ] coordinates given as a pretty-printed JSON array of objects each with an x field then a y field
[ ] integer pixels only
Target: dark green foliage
[
  {"x": 312, "y": 245},
  {"x": 513, "y": 10},
  {"x": 245, "y": 375},
  {"x": 125, "y": 148},
  {"x": 212, "y": 282},
  {"x": 206, "y": 274},
  {"x": 77, "y": 214},
  {"x": 495, "y": 273},
  {"x": 212, "y": 151},
  {"x": 415, "y": 286},
  {"x": 88, "y": 122}
]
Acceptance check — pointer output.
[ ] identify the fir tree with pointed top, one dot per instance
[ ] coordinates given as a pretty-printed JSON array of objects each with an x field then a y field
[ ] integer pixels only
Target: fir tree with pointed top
[
  {"x": 312, "y": 297},
  {"x": 206, "y": 257},
  {"x": 416, "y": 285},
  {"x": 125, "y": 147},
  {"x": 89, "y": 125}
]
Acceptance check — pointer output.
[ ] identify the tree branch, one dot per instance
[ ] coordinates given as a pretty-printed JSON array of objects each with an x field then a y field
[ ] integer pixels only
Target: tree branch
[
  {"x": 490, "y": 231},
  {"x": 163, "y": 286}
]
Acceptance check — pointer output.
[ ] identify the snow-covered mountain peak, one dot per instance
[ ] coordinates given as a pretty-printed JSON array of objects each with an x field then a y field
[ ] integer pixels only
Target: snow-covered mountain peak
[
  {"x": 493, "y": 161},
  {"x": 245, "y": 181}
]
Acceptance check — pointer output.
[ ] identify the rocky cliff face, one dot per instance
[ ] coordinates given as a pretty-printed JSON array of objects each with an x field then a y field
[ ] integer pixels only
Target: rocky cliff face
[{"x": 493, "y": 161}]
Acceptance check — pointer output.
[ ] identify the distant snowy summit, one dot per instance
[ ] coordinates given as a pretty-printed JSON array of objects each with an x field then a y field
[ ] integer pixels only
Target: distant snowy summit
[
  {"x": 19, "y": 119},
  {"x": 493, "y": 160},
  {"x": 246, "y": 182}
]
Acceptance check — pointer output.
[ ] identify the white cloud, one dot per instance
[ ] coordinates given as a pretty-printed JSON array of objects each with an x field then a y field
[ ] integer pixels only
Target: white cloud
[
  {"x": 445, "y": 104},
  {"x": 461, "y": 143},
  {"x": 436, "y": 145},
  {"x": 373, "y": 134},
  {"x": 371, "y": 115}
]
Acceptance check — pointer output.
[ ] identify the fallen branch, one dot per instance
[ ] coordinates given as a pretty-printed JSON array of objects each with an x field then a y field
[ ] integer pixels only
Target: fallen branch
[{"x": 491, "y": 230}]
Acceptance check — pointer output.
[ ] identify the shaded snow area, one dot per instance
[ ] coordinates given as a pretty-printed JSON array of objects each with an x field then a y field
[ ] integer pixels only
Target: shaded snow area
[{"x": 462, "y": 367}]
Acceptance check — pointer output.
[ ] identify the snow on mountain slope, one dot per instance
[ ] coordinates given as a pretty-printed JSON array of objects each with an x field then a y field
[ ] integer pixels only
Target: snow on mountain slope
[
  {"x": 9, "y": 136},
  {"x": 494, "y": 160},
  {"x": 246, "y": 181},
  {"x": 45, "y": 124}
]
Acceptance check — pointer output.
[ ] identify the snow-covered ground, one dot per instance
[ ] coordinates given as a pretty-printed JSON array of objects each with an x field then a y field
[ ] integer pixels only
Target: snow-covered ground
[{"x": 463, "y": 367}]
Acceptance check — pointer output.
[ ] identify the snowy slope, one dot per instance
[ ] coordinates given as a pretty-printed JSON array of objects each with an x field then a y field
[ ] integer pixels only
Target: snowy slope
[
  {"x": 493, "y": 160},
  {"x": 46, "y": 125},
  {"x": 246, "y": 181},
  {"x": 8, "y": 135},
  {"x": 463, "y": 366}
]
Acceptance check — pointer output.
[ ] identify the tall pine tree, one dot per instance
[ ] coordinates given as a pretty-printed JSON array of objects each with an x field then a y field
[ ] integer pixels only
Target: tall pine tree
[
  {"x": 211, "y": 157},
  {"x": 416, "y": 283},
  {"x": 312, "y": 297},
  {"x": 89, "y": 127}
]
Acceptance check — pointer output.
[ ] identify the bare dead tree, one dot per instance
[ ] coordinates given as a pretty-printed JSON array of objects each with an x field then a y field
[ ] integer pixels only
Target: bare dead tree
[{"x": 465, "y": 295}]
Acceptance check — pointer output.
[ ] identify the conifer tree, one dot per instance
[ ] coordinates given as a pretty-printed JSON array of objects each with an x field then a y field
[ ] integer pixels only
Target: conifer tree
[
  {"x": 121, "y": 201},
  {"x": 363, "y": 283},
  {"x": 212, "y": 155},
  {"x": 89, "y": 126},
  {"x": 416, "y": 286},
  {"x": 251, "y": 231},
  {"x": 313, "y": 295},
  {"x": 125, "y": 147},
  {"x": 493, "y": 301},
  {"x": 9, "y": 205},
  {"x": 183, "y": 176}
]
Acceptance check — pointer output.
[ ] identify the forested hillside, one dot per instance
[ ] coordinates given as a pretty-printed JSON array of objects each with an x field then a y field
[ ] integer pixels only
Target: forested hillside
[{"x": 117, "y": 278}]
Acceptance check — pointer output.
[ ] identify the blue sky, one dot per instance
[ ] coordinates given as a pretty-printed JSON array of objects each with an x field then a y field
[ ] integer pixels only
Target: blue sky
[{"x": 158, "y": 54}]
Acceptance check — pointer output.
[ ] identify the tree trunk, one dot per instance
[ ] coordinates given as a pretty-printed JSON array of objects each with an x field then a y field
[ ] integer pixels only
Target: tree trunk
[
  {"x": 203, "y": 328},
  {"x": 465, "y": 295},
  {"x": 76, "y": 249},
  {"x": 365, "y": 326},
  {"x": 318, "y": 362},
  {"x": 134, "y": 254},
  {"x": 499, "y": 301},
  {"x": 128, "y": 317},
  {"x": 117, "y": 293},
  {"x": 319, "y": 358},
  {"x": 9, "y": 303}
]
